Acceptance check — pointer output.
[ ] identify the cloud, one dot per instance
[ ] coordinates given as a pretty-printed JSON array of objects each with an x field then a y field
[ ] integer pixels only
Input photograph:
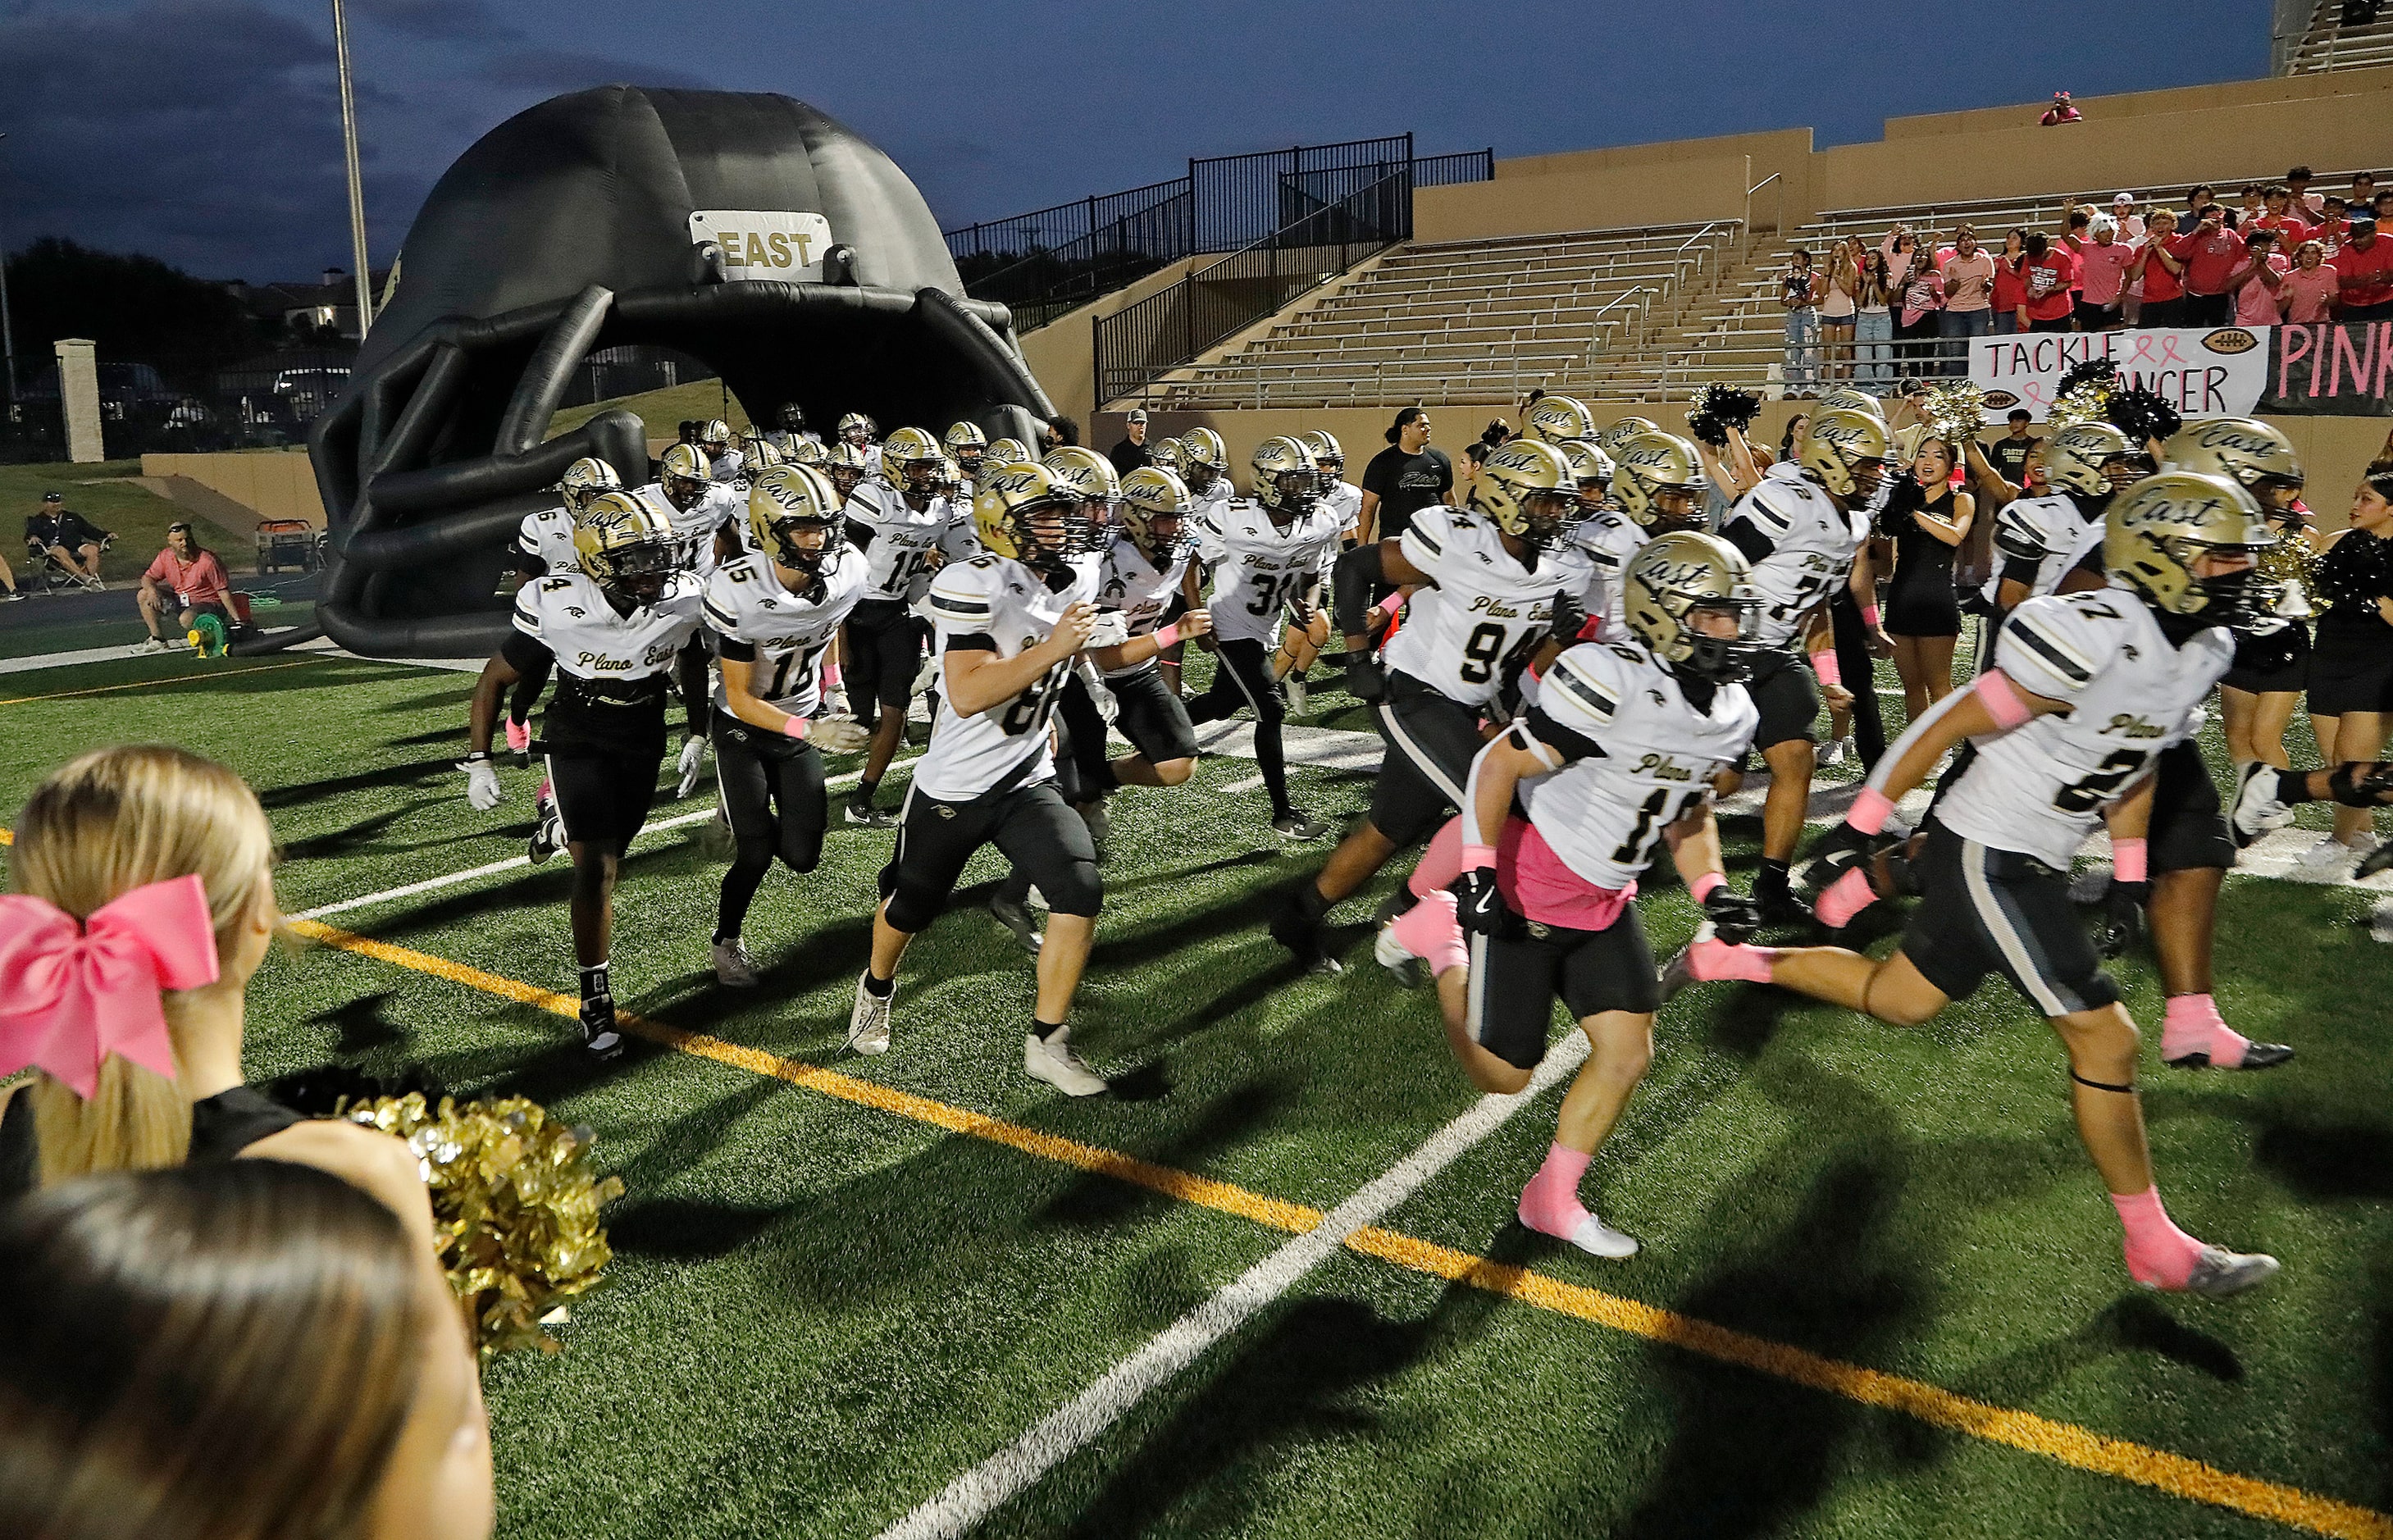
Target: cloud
[
  {"x": 550, "y": 70},
  {"x": 437, "y": 20}
]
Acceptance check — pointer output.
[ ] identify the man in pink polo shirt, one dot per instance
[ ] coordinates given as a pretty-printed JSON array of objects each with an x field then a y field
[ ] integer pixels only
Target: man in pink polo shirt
[
  {"x": 2101, "y": 275},
  {"x": 2210, "y": 252},
  {"x": 189, "y": 575}
]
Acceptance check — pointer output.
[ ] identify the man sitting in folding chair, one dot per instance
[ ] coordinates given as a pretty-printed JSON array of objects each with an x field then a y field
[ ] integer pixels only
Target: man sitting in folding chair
[
  {"x": 192, "y": 578},
  {"x": 64, "y": 543}
]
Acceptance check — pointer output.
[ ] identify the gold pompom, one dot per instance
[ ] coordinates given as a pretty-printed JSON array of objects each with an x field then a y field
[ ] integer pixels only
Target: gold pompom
[
  {"x": 1954, "y": 410},
  {"x": 2087, "y": 402},
  {"x": 514, "y": 1208}
]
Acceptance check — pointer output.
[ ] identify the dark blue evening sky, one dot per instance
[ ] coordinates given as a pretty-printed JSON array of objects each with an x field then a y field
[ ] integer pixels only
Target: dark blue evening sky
[{"x": 206, "y": 131}]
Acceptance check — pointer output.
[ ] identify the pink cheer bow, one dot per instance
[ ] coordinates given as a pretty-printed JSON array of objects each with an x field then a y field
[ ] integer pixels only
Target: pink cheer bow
[{"x": 71, "y": 995}]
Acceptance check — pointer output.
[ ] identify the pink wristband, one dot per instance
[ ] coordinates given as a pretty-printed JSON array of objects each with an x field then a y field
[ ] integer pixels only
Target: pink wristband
[
  {"x": 1167, "y": 637},
  {"x": 1824, "y": 665},
  {"x": 1870, "y": 811},
  {"x": 794, "y": 726},
  {"x": 1869, "y": 616},
  {"x": 2002, "y": 699},
  {"x": 1392, "y": 603},
  {"x": 1702, "y": 887},
  {"x": 1478, "y": 857},
  {"x": 2128, "y": 861}
]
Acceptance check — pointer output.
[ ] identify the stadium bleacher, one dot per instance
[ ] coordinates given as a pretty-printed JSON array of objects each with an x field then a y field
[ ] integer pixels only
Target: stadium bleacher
[{"x": 2327, "y": 42}]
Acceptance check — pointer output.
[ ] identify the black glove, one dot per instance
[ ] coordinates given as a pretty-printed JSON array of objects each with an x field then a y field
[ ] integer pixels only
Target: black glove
[
  {"x": 1568, "y": 618},
  {"x": 1839, "y": 851},
  {"x": 2361, "y": 783},
  {"x": 1479, "y": 904},
  {"x": 1364, "y": 680},
  {"x": 1734, "y": 917},
  {"x": 2122, "y": 917}
]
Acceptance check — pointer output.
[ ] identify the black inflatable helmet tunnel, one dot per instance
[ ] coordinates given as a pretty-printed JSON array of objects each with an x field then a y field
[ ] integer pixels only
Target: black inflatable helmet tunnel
[{"x": 613, "y": 216}]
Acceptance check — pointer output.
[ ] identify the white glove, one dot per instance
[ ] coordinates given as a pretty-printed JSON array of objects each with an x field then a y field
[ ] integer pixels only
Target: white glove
[
  {"x": 693, "y": 754},
  {"x": 482, "y": 788},
  {"x": 838, "y": 735},
  {"x": 1110, "y": 631}
]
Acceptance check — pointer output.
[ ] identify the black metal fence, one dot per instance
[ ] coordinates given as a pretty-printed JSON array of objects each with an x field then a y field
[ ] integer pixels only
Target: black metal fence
[
  {"x": 1051, "y": 260},
  {"x": 1138, "y": 345}
]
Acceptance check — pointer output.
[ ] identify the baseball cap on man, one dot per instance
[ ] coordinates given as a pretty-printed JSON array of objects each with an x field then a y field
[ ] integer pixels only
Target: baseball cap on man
[
  {"x": 54, "y": 497},
  {"x": 1137, "y": 414}
]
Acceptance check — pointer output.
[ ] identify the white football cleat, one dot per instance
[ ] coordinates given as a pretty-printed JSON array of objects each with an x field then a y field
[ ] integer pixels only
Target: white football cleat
[
  {"x": 1390, "y": 953},
  {"x": 1598, "y": 1239},
  {"x": 2324, "y": 861},
  {"x": 867, "y": 1024},
  {"x": 732, "y": 966},
  {"x": 2256, "y": 810},
  {"x": 1052, "y": 1059},
  {"x": 1300, "y": 700}
]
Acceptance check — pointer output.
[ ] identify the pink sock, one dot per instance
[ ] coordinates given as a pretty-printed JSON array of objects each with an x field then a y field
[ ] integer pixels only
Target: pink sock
[
  {"x": 1550, "y": 1204},
  {"x": 542, "y": 795},
  {"x": 518, "y": 735},
  {"x": 1441, "y": 863},
  {"x": 2193, "y": 1025},
  {"x": 2158, "y": 1252},
  {"x": 1428, "y": 931},
  {"x": 1714, "y": 959},
  {"x": 1845, "y": 897}
]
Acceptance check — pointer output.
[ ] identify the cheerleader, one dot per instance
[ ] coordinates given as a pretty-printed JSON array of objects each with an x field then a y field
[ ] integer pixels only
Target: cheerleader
[{"x": 2350, "y": 677}]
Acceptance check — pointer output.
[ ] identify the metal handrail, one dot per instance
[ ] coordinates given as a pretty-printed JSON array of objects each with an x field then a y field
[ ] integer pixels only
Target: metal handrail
[{"x": 1595, "y": 322}]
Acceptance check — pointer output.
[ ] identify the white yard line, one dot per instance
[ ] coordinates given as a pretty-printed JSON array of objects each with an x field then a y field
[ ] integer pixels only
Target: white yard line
[{"x": 987, "y": 1486}]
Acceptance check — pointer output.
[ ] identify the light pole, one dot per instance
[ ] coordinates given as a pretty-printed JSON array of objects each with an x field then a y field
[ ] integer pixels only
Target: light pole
[
  {"x": 8, "y": 332},
  {"x": 357, "y": 182}
]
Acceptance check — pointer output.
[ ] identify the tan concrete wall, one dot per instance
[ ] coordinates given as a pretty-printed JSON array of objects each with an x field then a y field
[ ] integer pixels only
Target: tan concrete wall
[
  {"x": 1589, "y": 198},
  {"x": 1062, "y": 354},
  {"x": 270, "y": 484},
  {"x": 2184, "y": 98}
]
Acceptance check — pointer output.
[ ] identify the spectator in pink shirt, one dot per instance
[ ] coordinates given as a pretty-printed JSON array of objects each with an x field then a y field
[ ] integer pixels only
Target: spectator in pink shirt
[
  {"x": 2102, "y": 275},
  {"x": 190, "y": 576},
  {"x": 2061, "y": 110},
  {"x": 2255, "y": 280},
  {"x": 2305, "y": 203},
  {"x": 2307, "y": 295},
  {"x": 2210, "y": 250},
  {"x": 1968, "y": 275},
  {"x": 2048, "y": 271}
]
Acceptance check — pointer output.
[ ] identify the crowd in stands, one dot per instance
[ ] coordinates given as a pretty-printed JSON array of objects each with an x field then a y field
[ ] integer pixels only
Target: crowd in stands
[{"x": 2281, "y": 254}]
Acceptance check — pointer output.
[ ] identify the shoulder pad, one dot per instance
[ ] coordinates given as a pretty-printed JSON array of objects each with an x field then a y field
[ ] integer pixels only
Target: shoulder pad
[
  {"x": 1593, "y": 678},
  {"x": 2058, "y": 636},
  {"x": 965, "y": 592}
]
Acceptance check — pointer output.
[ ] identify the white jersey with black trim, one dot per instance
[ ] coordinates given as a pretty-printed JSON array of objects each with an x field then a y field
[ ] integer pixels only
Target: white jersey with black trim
[
  {"x": 2040, "y": 788},
  {"x": 784, "y": 440},
  {"x": 1140, "y": 592},
  {"x": 1211, "y": 499},
  {"x": 726, "y": 467},
  {"x": 568, "y": 614},
  {"x": 2051, "y": 532},
  {"x": 1488, "y": 611},
  {"x": 1259, "y": 566},
  {"x": 1345, "y": 500},
  {"x": 1012, "y": 607},
  {"x": 1812, "y": 545},
  {"x": 791, "y": 633},
  {"x": 1604, "y": 814},
  {"x": 696, "y": 525},
  {"x": 1608, "y": 538},
  {"x": 547, "y": 533},
  {"x": 905, "y": 542}
]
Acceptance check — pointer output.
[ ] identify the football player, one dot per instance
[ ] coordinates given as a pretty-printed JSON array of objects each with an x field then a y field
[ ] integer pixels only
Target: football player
[
  {"x": 900, "y": 525},
  {"x": 616, "y": 629},
  {"x": 1495, "y": 583},
  {"x": 1341, "y": 496},
  {"x": 1205, "y": 465},
  {"x": 723, "y": 459},
  {"x": 967, "y": 445},
  {"x": 1610, "y": 438},
  {"x": 1264, "y": 556},
  {"x": 1558, "y": 420},
  {"x": 1004, "y": 452},
  {"x": 1614, "y": 760},
  {"x": 857, "y": 430},
  {"x": 545, "y": 543},
  {"x": 1654, "y": 488},
  {"x": 773, "y": 615},
  {"x": 2037, "y": 540},
  {"x": 1010, "y": 622},
  {"x": 757, "y": 455},
  {"x": 790, "y": 429},
  {"x": 1801, "y": 528},
  {"x": 702, "y": 511},
  {"x": 2088, "y": 689}
]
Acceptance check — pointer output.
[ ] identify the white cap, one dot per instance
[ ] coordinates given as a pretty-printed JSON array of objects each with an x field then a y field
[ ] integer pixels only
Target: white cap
[{"x": 2124, "y": 198}]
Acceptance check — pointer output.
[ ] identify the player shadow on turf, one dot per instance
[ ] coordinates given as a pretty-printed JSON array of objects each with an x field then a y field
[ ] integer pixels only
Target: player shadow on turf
[
  {"x": 1222, "y": 1123},
  {"x": 2323, "y": 1162},
  {"x": 299, "y": 794},
  {"x": 685, "y": 1229},
  {"x": 363, "y": 1025},
  {"x": 2131, "y": 1324},
  {"x": 357, "y": 839}
]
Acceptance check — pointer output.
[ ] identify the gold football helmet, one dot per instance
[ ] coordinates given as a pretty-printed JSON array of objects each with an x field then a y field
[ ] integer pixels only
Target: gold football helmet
[
  {"x": 951, "y": 477},
  {"x": 857, "y": 429},
  {"x": 1558, "y": 418},
  {"x": 803, "y": 451},
  {"x": 967, "y": 444},
  {"x": 626, "y": 546},
  {"x": 1285, "y": 481},
  {"x": 847, "y": 465},
  {"x": 1090, "y": 474},
  {"x": 584, "y": 479},
  {"x": 2166, "y": 523},
  {"x": 1673, "y": 577},
  {"x": 1155, "y": 508},
  {"x": 1164, "y": 456},
  {"x": 1846, "y": 399},
  {"x": 787, "y": 500},
  {"x": 1611, "y": 437},
  {"x": 757, "y": 455},
  {"x": 1527, "y": 489},
  {"x": 910, "y": 460},
  {"x": 1203, "y": 456},
  {"x": 1657, "y": 482},
  {"x": 714, "y": 436},
  {"x": 2244, "y": 449},
  {"x": 1025, "y": 515},
  {"x": 684, "y": 474},
  {"x": 1590, "y": 468},
  {"x": 1329, "y": 455},
  {"x": 2093, "y": 458},
  {"x": 1845, "y": 453},
  {"x": 1007, "y": 451}
]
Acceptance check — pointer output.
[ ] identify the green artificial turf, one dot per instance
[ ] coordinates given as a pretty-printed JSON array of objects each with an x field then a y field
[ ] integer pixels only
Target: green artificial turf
[{"x": 821, "y": 1314}]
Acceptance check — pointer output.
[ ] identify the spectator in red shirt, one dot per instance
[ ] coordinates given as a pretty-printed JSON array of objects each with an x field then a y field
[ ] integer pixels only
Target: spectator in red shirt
[
  {"x": 2061, "y": 110},
  {"x": 2332, "y": 226},
  {"x": 2160, "y": 273},
  {"x": 2048, "y": 272},
  {"x": 2210, "y": 250},
  {"x": 2102, "y": 275},
  {"x": 2305, "y": 203},
  {"x": 2290, "y": 221},
  {"x": 2307, "y": 295},
  {"x": 190, "y": 576},
  {"x": 2364, "y": 269},
  {"x": 2010, "y": 289}
]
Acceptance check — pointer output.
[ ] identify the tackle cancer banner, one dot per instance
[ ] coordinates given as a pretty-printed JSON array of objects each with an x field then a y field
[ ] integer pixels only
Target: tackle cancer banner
[
  {"x": 2217, "y": 372},
  {"x": 2343, "y": 370}
]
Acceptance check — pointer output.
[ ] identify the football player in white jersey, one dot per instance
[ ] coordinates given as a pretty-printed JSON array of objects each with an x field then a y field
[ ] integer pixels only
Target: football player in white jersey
[
  {"x": 545, "y": 543},
  {"x": 1801, "y": 531},
  {"x": 1142, "y": 584},
  {"x": 1340, "y": 495},
  {"x": 618, "y": 629},
  {"x": 789, "y": 429},
  {"x": 1614, "y": 761},
  {"x": 1205, "y": 465},
  {"x": 967, "y": 445},
  {"x": 1495, "y": 584},
  {"x": 705, "y": 513},
  {"x": 724, "y": 461},
  {"x": 2038, "y": 539},
  {"x": 1264, "y": 554},
  {"x": 857, "y": 430},
  {"x": 900, "y": 525},
  {"x": 1654, "y": 488},
  {"x": 1012, "y": 622},
  {"x": 773, "y": 615},
  {"x": 2088, "y": 689}
]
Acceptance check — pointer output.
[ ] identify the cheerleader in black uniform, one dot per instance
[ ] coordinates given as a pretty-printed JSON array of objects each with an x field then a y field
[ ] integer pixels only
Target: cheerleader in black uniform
[
  {"x": 1928, "y": 518},
  {"x": 2351, "y": 663},
  {"x": 2257, "y": 697}
]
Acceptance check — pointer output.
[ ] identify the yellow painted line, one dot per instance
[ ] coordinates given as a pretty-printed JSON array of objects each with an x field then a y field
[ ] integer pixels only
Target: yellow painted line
[
  {"x": 2065, "y": 1443},
  {"x": 159, "y": 683}
]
